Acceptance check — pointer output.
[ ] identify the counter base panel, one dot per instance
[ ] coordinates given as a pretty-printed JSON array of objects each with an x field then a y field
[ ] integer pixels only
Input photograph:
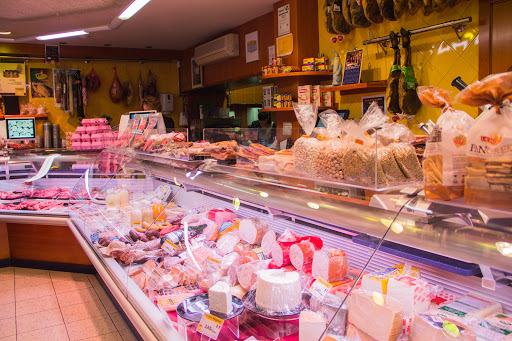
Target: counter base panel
[
  {"x": 51, "y": 266},
  {"x": 45, "y": 243}
]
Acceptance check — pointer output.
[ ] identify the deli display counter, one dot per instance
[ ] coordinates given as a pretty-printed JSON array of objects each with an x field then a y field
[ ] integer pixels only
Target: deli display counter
[{"x": 197, "y": 249}]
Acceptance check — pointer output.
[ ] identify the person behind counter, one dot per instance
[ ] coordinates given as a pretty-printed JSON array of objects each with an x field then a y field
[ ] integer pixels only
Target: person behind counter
[
  {"x": 267, "y": 128},
  {"x": 152, "y": 103}
]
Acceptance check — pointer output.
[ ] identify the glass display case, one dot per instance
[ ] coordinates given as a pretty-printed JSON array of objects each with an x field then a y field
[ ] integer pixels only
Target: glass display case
[{"x": 288, "y": 250}]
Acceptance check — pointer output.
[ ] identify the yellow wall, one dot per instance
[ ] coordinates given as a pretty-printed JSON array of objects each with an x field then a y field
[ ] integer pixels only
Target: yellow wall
[
  {"x": 438, "y": 56},
  {"x": 99, "y": 103},
  {"x": 250, "y": 95}
]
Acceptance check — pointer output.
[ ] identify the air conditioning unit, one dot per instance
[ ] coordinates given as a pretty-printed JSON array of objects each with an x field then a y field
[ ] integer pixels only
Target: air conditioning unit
[{"x": 217, "y": 50}]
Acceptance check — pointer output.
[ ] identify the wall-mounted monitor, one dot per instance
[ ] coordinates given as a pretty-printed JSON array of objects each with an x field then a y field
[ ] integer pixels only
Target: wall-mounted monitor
[{"x": 20, "y": 128}]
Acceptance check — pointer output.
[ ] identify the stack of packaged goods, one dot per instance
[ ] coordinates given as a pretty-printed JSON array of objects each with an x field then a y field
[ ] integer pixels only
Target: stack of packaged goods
[
  {"x": 94, "y": 134},
  {"x": 278, "y": 67}
]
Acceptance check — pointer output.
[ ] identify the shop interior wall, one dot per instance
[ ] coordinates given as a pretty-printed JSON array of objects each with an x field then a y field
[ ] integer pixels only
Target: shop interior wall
[
  {"x": 99, "y": 103},
  {"x": 438, "y": 56}
]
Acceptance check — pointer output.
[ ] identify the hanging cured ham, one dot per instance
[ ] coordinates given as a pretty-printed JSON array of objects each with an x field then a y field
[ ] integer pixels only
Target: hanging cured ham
[
  {"x": 393, "y": 97},
  {"x": 116, "y": 89},
  {"x": 93, "y": 81},
  {"x": 150, "y": 89},
  {"x": 409, "y": 101}
]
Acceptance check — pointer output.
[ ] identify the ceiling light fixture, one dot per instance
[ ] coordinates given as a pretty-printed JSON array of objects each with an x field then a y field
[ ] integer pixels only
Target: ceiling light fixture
[
  {"x": 132, "y": 9},
  {"x": 5, "y": 32},
  {"x": 62, "y": 35}
]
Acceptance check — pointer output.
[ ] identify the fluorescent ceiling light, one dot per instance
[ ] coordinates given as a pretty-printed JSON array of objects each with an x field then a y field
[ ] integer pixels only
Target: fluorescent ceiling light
[
  {"x": 62, "y": 35},
  {"x": 6, "y": 32},
  {"x": 132, "y": 9}
]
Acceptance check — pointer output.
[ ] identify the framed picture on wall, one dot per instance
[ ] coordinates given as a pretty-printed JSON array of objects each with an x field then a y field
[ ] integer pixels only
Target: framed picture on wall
[
  {"x": 252, "y": 52},
  {"x": 197, "y": 74}
]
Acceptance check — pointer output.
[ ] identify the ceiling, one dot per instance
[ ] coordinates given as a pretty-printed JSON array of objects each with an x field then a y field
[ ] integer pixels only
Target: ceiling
[{"x": 161, "y": 24}]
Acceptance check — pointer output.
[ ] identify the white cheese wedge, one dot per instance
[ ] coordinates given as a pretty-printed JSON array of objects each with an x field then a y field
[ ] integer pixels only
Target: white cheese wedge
[
  {"x": 431, "y": 327},
  {"x": 220, "y": 298},
  {"x": 412, "y": 293},
  {"x": 378, "y": 281},
  {"x": 496, "y": 327},
  {"x": 311, "y": 325},
  {"x": 468, "y": 306}
]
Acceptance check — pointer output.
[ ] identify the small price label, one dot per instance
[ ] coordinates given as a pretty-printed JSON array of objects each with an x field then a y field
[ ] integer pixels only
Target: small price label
[
  {"x": 320, "y": 288},
  {"x": 169, "y": 246},
  {"x": 210, "y": 326},
  {"x": 213, "y": 264}
]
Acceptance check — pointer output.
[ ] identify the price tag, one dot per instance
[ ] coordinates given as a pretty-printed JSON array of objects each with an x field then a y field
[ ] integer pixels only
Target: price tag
[
  {"x": 213, "y": 264},
  {"x": 210, "y": 326},
  {"x": 169, "y": 247},
  {"x": 320, "y": 288}
]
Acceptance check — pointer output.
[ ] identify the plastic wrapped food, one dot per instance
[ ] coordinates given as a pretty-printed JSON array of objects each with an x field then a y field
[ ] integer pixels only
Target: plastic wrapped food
[
  {"x": 389, "y": 165},
  {"x": 445, "y": 159},
  {"x": 278, "y": 291},
  {"x": 405, "y": 156},
  {"x": 395, "y": 132},
  {"x": 434, "y": 97},
  {"x": 247, "y": 273},
  {"x": 305, "y": 154},
  {"x": 493, "y": 89},
  {"x": 330, "y": 264},
  {"x": 330, "y": 158},
  {"x": 252, "y": 230}
]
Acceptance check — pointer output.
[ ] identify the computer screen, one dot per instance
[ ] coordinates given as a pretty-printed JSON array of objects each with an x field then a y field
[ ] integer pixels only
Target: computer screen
[
  {"x": 147, "y": 112},
  {"x": 20, "y": 128}
]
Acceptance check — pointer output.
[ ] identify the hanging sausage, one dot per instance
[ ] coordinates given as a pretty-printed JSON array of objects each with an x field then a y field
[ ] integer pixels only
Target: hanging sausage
[
  {"x": 394, "y": 78},
  {"x": 116, "y": 89},
  {"x": 78, "y": 94}
]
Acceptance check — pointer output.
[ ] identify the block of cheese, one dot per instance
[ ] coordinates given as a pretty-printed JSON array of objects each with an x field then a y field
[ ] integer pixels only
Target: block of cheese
[
  {"x": 278, "y": 290},
  {"x": 431, "y": 327},
  {"x": 311, "y": 325},
  {"x": 381, "y": 320},
  {"x": 354, "y": 333},
  {"x": 496, "y": 327},
  {"x": 468, "y": 306},
  {"x": 412, "y": 293},
  {"x": 378, "y": 281},
  {"x": 330, "y": 264},
  {"x": 238, "y": 291},
  {"x": 220, "y": 298}
]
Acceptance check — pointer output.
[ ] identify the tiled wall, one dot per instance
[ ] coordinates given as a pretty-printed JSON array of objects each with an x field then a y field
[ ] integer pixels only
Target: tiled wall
[
  {"x": 438, "y": 56},
  {"x": 251, "y": 95}
]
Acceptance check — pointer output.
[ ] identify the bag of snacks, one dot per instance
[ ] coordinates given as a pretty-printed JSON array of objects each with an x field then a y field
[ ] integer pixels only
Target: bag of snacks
[
  {"x": 489, "y": 142},
  {"x": 305, "y": 149},
  {"x": 445, "y": 160},
  {"x": 360, "y": 163},
  {"x": 334, "y": 147},
  {"x": 395, "y": 132}
]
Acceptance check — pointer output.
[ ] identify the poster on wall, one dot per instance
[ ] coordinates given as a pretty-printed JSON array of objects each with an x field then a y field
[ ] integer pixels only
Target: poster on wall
[
  {"x": 283, "y": 20},
  {"x": 368, "y": 100},
  {"x": 252, "y": 51},
  {"x": 41, "y": 83},
  {"x": 353, "y": 62},
  {"x": 284, "y": 45},
  {"x": 12, "y": 79},
  {"x": 197, "y": 74}
]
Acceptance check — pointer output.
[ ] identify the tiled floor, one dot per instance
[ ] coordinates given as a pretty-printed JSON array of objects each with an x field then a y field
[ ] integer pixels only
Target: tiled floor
[{"x": 41, "y": 305}]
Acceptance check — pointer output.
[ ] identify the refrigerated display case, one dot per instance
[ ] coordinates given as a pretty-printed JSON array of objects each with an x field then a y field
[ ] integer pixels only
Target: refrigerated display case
[{"x": 457, "y": 248}]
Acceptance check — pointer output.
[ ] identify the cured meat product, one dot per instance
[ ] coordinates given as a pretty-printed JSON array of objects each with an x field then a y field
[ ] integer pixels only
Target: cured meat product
[
  {"x": 116, "y": 89},
  {"x": 64, "y": 90},
  {"x": 409, "y": 100},
  {"x": 439, "y": 5},
  {"x": 330, "y": 264},
  {"x": 357, "y": 15},
  {"x": 58, "y": 87},
  {"x": 400, "y": 7},
  {"x": 317, "y": 242},
  {"x": 252, "y": 230},
  {"x": 140, "y": 89},
  {"x": 256, "y": 253},
  {"x": 347, "y": 14},
  {"x": 301, "y": 254},
  {"x": 387, "y": 9},
  {"x": 128, "y": 93},
  {"x": 268, "y": 241},
  {"x": 281, "y": 253},
  {"x": 211, "y": 232},
  {"x": 226, "y": 244},
  {"x": 394, "y": 78},
  {"x": 328, "y": 16},
  {"x": 428, "y": 7},
  {"x": 453, "y": 3},
  {"x": 78, "y": 94},
  {"x": 10, "y": 195},
  {"x": 227, "y": 261},
  {"x": 150, "y": 89},
  {"x": 84, "y": 91},
  {"x": 71, "y": 100},
  {"x": 372, "y": 11},
  {"x": 93, "y": 81},
  {"x": 247, "y": 273},
  {"x": 288, "y": 236},
  {"x": 339, "y": 23},
  {"x": 413, "y": 6}
]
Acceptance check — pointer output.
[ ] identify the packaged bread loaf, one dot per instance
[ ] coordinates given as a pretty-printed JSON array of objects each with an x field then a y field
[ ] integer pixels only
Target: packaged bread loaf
[
  {"x": 489, "y": 142},
  {"x": 445, "y": 160}
]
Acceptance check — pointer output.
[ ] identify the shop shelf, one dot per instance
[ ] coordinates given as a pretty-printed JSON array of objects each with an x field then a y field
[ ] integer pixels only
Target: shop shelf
[
  {"x": 359, "y": 88},
  {"x": 322, "y": 74},
  {"x": 291, "y": 109},
  {"x": 24, "y": 116}
]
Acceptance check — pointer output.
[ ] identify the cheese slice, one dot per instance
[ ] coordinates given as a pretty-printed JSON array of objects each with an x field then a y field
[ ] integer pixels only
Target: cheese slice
[
  {"x": 380, "y": 321},
  {"x": 431, "y": 327},
  {"x": 311, "y": 325},
  {"x": 469, "y": 306},
  {"x": 412, "y": 293},
  {"x": 378, "y": 281},
  {"x": 496, "y": 327},
  {"x": 220, "y": 298}
]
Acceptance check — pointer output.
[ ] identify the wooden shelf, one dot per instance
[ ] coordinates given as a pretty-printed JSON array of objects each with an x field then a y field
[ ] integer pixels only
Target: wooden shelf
[
  {"x": 322, "y": 74},
  {"x": 24, "y": 116},
  {"x": 359, "y": 88},
  {"x": 291, "y": 109}
]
